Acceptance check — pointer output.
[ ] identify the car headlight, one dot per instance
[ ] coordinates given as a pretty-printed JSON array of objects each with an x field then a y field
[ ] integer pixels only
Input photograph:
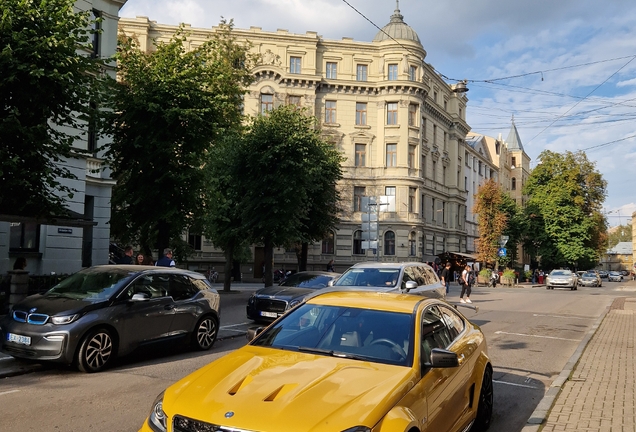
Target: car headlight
[
  {"x": 66, "y": 319},
  {"x": 157, "y": 420},
  {"x": 358, "y": 429}
]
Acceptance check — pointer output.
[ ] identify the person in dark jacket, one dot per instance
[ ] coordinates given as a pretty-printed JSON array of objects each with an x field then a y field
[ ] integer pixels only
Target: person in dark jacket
[
  {"x": 445, "y": 276},
  {"x": 330, "y": 266},
  {"x": 127, "y": 258},
  {"x": 166, "y": 260}
]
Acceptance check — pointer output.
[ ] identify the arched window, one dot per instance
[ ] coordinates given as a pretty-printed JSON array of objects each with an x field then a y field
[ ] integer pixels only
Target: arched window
[
  {"x": 412, "y": 244},
  {"x": 389, "y": 243},
  {"x": 328, "y": 244},
  {"x": 357, "y": 243},
  {"x": 513, "y": 184}
]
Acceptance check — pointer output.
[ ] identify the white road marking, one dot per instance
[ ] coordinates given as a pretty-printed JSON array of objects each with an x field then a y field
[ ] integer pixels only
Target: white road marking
[
  {"x": 8, "y": 392},
  {"x": 564, "y": 316},
  {"x": 515, "y": 384},
  {"x": 234, "y": 330},
  {"x": 233, "y": 325},
  {"x": 537, "y": 336}
]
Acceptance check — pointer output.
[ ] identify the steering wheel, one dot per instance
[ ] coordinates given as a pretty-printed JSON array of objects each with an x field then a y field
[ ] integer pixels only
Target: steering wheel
[{"x": 397, "y": 348}]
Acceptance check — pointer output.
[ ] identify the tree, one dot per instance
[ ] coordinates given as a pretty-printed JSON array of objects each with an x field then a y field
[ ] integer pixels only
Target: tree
[
  {"x": 564, "y": 210},
  {"x": 170, "y": 107},
  {"x": 50, "y": 87},
  {"x": 491, "y": 220},
  {"x": 621, "y": 233},
  {"x": 515, "y": 225},
  {"x": 287, "y": 181}
]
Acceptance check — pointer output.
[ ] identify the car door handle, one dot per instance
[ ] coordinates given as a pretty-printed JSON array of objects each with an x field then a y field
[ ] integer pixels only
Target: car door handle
[{"x": 460, "y": 358}]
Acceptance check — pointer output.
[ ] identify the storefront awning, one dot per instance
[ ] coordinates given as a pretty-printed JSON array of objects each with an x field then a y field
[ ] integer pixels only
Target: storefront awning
[
  {"x": 71, "y": 219},
  {"x": 456, "y": 256}
]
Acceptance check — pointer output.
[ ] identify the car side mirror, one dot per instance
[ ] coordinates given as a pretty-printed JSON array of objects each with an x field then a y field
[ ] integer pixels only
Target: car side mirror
[
  {"x": 330, "y": 283},
  {"x": 252, "y": 332},
  {"x": 140, "y": 297},
  {"x": 410, "y": 285},
  {"x": 441, "y": 358}
]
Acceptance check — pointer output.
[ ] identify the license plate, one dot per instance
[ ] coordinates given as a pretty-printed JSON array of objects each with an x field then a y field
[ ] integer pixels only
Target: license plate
[
  {"x": 24, "y": 340},
  {"x": 269, "y": 314}
]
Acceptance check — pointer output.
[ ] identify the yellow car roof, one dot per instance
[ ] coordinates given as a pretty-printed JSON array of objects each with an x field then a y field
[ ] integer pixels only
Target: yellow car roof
[{"x": 372, "y": 300}]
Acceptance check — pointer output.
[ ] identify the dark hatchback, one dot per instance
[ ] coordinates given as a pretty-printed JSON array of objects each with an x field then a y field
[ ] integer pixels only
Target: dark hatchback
[
  {"x": 269, "y": 303},
  {"x": 101, "y": 312}
]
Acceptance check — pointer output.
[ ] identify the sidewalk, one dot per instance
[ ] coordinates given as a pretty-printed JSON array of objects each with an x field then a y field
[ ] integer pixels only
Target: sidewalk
[{"x": 596, "y": 390}]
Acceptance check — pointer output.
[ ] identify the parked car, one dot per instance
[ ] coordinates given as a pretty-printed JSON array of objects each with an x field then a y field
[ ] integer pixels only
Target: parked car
[
  {"x": 407, "y": 277},
  {"x": 105, "y": 311},
  {"x": 603, "y": 274},
  {"x": 596, "y": 272},
  {"x": 343, "y": 361},
  {"x": 615, "y": 276},
  {"x": 590, "y": 279},
  {"x": 624, "y": 272},
  {"x": 561, "y": 279},
  {"x": 269, "y": 303}
]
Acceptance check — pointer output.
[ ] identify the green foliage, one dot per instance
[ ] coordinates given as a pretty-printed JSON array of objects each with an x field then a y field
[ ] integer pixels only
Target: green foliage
[
  {"x": 47, "y": 86},
  {"x": 485, "y": 273},
  {"x": 508, "y": 277},
  {"x": 515, "y": 227},
  {"x": 565, "y": 223},
  {"x": 171, "y": 106},
  {"x": 622, "y": 233},
  {"x": 492, "y": 220}
]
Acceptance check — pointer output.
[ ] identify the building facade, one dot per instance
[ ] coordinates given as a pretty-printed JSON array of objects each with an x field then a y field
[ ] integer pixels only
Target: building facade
[
  {"x": 620, "y": 257},
  {"x": 65, "y": 245},
  {"x": 400, "y": 126}
]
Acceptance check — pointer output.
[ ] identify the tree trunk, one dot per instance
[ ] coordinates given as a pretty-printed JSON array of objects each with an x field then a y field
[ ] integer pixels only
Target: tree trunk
[
  {"x": 268, "y": 277},
  {"x": 303, "y": 257},
  {"x": 163, "y": 237},
  {"x": 227, "y": 272}
]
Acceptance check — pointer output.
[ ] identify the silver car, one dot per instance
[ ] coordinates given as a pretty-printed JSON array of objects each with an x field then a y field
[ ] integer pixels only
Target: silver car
[
  {"x": 615, "y": 276},
  {"x": 406, "y": 277},
  {"x": 590, "y": 279},
  {"x": 101, "y": 312},
  {"x": 561, "y": 279}
]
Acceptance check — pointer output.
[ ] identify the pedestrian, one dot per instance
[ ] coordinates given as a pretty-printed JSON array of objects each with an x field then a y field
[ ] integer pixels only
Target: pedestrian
[
  {"x": 127, "y": 258},
  {"x": 446, "y": 276},
  {"x": 20, "y": 263},
  {"x": 166, "y": 260},
  {"x": 139, "y": 260},
  {"x": 330, "y": 267},
  {"x": 464, "y": 280}
]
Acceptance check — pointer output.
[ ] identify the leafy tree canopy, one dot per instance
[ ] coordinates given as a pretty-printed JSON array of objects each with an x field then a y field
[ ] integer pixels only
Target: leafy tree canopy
[
  {"x": 490, "y": 209},
  {"x": 170, "y": 107},
  {"x": 49, "y": 84},
  {"x": 566, "y": 195},
  {"x": 621, "y": 233}
]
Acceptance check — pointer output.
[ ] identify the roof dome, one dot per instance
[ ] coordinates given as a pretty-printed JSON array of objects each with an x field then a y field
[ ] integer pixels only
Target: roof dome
[{"x": 397, "y": 29}]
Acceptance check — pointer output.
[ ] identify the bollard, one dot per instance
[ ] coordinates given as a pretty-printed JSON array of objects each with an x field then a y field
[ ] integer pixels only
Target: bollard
[{"x": 19, "y": 287}]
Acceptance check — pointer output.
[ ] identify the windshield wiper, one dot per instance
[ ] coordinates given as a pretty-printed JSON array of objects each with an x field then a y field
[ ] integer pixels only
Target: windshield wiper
[{"x": 332, "y": 353}]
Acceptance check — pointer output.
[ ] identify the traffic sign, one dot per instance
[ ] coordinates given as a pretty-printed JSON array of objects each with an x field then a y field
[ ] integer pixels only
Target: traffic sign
[{"x": 502, "y": 252}]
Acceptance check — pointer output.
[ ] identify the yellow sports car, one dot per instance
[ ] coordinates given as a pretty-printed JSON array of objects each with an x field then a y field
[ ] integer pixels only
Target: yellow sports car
[{"x": 342, "y": 362}]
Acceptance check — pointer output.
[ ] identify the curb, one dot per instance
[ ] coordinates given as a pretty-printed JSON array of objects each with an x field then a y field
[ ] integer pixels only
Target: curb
[{"x": 540, "y": 415}]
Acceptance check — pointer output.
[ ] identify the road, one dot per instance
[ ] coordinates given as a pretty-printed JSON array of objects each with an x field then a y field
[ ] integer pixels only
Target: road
[{"x": 531, "y": 332}]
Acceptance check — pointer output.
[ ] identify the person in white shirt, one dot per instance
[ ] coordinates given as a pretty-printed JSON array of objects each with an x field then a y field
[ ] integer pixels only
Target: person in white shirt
[{"x": 465, "y": 285}]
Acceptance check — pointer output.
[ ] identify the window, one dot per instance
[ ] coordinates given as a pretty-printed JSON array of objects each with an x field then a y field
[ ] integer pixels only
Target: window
[
  {"x": 480, "y": 168},
  {"x": 497, "y": 147},
  {"x": 330, "y": 112},
  {"x": 513, "y": 184},
  {"x": 361, "y": 72},
  {"x": 443, "y": 175},
  {"x": 389, "y": 191},
  {"x": 24, "y": 236},
  {"x": 361, "y": 113},
  {"x": 332, "y": 69},
  {"x": 357, "y": 243},
  {"x": 391, "y": 155},
  {"x": 435, "y": 96},
  {"x": 434, "y": 171},
  {"x": 423, "y": 166},
  {"x": 424, "y": 128},
  {"x": 358, "y": 193},
  {"x": 194, "y": 240},
  {"x": 181, "y": 288},
  {"x": 514, "y": 162},
  {"x": 412, "y": 114},
  {"x": 389, "y": 243},
  {"x": 445, "y": 105},
  {"x": 412, "y": 156},
  {"x": 413, "y": 73},
  {"x": 91, "y": 139},
  {"x": 391, "y": 113},
  {"x": 412, "y": 192},
  {"x": 328, "y": 244},
  {"x": 293, "y": 100},
  {"x": 412, "y": 244},
  {"x": 434, "y": 135},
  {"x": 96, "y": 30},
  {"x": 434, "y": 209},
  {"x": 267, "y": 103},
  {"x": 361, "y": 155},
  {"x": 294, "y": 65},
  {"x": 461, "y": 112},
  {"x": 393, "y": 72},
  {"x": 445, "y": 141}
]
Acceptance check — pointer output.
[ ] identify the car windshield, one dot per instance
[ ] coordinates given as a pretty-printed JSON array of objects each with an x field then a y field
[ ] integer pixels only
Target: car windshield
[
  {"x": 369, "y": 277},
  {"x": 561, "y": 273},
  {"x": 615, "y": 273},
  {"x": 590, "y": 275},
  {"x": 361, "y": 334},
  {"x": 306, "y": 280},
  {"x": 91, "y": 284}
]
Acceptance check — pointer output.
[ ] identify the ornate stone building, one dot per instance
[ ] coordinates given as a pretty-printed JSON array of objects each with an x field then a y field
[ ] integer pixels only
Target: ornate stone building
[{"x": 401, "y": 128}]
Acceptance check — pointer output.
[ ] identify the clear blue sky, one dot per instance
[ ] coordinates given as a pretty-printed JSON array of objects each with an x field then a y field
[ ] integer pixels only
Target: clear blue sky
[{"x": 573, "y": 63}]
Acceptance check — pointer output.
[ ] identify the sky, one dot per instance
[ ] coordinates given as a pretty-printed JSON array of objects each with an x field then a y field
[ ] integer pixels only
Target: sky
[{"x": 566, "y": 69}]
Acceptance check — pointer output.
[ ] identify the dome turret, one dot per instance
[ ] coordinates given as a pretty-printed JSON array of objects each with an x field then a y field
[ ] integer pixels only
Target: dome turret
[{"x": 397, "y": 29}]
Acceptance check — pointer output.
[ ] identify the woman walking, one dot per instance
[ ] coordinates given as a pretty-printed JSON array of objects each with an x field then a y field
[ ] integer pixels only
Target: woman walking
[{"x": 464, "y": 280}]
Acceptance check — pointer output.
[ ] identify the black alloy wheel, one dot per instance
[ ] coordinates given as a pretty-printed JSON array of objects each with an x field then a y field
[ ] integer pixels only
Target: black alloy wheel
[
  {"x": 205, "y": 333},
  {"x": 484, "y": 409},
  {"x": 96, "y": 351}
]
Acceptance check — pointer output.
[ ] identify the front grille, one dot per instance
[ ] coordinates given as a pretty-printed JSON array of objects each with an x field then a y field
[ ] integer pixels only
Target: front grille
[
  {"x": 184, "y": 424},
  {"x": 271, "y": 305},
  {"x": 31, "y": 318}
]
